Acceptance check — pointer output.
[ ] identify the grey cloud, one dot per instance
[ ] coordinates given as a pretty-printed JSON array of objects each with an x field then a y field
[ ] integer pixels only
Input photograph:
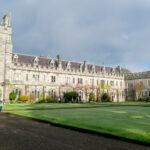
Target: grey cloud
[{"x": 101, "y": 31}]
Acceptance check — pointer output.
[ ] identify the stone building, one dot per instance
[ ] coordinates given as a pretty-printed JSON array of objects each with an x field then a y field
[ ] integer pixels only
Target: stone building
[
  {"x": 36, "y": 75},
  {"x": 137, "y": 85}
]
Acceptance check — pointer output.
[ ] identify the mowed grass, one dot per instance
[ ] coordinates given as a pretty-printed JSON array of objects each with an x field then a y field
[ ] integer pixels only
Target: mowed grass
[{"x": 129, "y": 120}]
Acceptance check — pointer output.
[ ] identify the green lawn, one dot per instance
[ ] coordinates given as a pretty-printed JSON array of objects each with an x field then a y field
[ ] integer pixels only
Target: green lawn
[{"x": 129, "y": 120}]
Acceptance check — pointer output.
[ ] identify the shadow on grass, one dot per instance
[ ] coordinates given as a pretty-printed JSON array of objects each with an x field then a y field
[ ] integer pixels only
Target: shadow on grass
[
  {"x": 82, "y": 130},
  {"x": 29, "y": 112}
]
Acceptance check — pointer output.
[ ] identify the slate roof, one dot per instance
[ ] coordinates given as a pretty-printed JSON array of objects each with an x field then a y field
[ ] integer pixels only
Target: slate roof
[
  {"x": 139, "y": 75},
  {"x": 45, "y": 61}
]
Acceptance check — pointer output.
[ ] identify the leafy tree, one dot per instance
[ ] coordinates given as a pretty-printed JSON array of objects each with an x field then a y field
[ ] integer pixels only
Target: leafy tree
[{"x": 105, "y": 97}]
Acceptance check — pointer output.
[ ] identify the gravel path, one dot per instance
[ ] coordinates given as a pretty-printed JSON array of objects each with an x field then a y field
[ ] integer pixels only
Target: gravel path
[{"x": 17, "y": 133}]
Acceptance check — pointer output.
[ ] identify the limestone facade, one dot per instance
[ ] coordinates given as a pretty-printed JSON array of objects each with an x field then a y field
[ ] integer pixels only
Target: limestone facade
[{"x": 137, "y": 85}]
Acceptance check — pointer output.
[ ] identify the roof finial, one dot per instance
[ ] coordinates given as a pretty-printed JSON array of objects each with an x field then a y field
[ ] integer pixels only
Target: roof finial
[
  {"x": 6, "y": 20},
  {"x": 9, "y": 18}
]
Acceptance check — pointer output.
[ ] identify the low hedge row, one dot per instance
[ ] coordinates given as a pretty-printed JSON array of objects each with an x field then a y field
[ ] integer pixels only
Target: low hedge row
[
  {"x": 48, "y": 99},
  {"x": 144, "y": 99}
]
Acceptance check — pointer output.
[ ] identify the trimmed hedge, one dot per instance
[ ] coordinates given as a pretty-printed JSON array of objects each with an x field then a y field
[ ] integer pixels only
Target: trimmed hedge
[
  {"x": 48, "y": 99},
  {"x": 144, "y": 99}
]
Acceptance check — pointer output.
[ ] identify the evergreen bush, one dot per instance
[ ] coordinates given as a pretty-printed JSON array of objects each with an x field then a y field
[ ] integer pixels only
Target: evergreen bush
[{"x": 12, "y": 96}]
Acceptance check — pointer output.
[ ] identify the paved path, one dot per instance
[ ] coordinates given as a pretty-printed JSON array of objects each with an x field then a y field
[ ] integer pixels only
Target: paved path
[{"x": 17, "y": 133}]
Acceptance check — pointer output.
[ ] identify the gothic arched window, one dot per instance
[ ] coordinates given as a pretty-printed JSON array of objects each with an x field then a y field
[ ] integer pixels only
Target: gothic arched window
[
  {"x": 36, "y": 61},
  {"x": 15, "y": 58}
]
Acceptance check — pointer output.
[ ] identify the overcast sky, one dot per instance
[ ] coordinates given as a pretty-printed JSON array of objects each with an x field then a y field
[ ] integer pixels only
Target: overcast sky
[{"x": 113, "y": 32}]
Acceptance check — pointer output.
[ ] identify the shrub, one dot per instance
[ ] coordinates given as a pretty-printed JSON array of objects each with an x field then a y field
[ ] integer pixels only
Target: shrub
[
  {"x": 50, "y": 99},
  {"x": 92, "y": 97},
  {"x": 32, "y": 98},
  {"x": 105, "y": 97},
  {"x": 23, "y": 98},
  {"x": 40, "y": 101},
  {"x": 42, "y": 96},
  {"x": 12, "y": 96},
  {"x": 71, "y": 96},
  {"x": 144, "y": 99}
]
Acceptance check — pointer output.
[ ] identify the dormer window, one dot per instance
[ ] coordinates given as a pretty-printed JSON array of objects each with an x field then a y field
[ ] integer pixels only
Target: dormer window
[
  {"x": 36, "y": 61},
  {"x": 15, "y": 58},
  {"x": 68, "y": 66},
  {"x": 81, "y": 67},
  {"x": 103, "y": 69},
  {"x": 93, "y": 69},
  {"x": 85, "y": 66},
  {"x": 113, "y": 70},
  {"x": 52, "y": 64}
]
